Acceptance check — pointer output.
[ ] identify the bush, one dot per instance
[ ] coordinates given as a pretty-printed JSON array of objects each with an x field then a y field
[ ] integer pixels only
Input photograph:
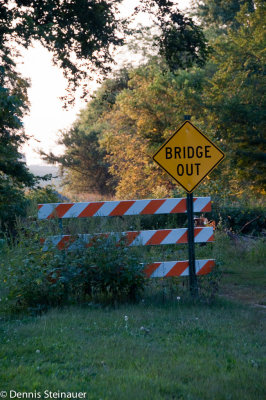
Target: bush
[
  {"x": 36, "y": 280},
  {"x": 25, "y": 270},
  {"x": 108, "y": 271},
  {"x": 15, "y": 203}
]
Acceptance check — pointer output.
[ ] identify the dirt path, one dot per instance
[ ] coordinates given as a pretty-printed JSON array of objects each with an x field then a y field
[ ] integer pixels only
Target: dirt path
[{"x": 244, "y": 294}]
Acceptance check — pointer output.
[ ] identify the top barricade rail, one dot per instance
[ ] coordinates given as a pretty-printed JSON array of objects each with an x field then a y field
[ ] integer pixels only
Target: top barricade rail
[{"x": 121, "y": 208}]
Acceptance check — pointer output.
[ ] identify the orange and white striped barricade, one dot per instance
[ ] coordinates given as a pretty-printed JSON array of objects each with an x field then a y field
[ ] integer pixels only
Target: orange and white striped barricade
[{"x": 133, "y": 238}]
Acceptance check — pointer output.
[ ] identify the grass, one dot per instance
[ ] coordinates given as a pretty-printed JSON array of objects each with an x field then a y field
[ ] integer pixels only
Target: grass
[
  {"x": 160, "y": 348},
  {"x": 171, "y": 351},
  {"x": 243, "y": 269}
]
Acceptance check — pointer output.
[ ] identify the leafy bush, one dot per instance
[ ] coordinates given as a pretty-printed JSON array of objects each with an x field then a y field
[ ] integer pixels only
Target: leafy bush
[
  {"x": 35, "y": 280},
  {"x": 25, "y": 270}
]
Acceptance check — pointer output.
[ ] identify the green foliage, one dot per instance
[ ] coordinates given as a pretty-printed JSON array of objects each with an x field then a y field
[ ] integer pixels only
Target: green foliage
[
  {"x": 84, "y": 28},
  {"x": 80, "y": 35},
  {"x": 220, "y": 14},
  {"x": 89, "y": 30},
  {"x": 14, "y": 175},
  {"x": 143, "y": 117},
  {"x": 34, "y": 280},
  {"x": 110, "y": 270},
  {"x": 13, "y": 204},
  {"x": 236, "y": 101},
  {"x": 40, "y": 195},
  {"x": 25, "y": 275},
  {"x": 182, "y": 43}
]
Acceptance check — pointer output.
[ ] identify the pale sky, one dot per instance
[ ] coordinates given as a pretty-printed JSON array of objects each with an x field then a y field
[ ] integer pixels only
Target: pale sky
[{"x": 47, "y": 116}]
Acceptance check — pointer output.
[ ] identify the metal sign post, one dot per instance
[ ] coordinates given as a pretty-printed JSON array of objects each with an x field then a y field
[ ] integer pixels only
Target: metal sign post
[{"x": 193, "y": 283}]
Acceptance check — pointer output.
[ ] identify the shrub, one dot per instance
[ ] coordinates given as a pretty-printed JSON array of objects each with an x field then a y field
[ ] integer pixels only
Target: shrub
[
  {"x": 24, "y": 269},
  {"x": 35, "y": 280},
  {"x": 112, "y": 270}
]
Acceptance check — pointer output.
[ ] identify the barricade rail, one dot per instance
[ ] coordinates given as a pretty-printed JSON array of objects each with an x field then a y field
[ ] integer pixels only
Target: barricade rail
[{"x": 120, "y": 208}]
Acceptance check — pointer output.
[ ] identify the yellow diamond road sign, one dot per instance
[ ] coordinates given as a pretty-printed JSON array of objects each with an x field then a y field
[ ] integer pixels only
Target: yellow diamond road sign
[{"x": 188, "y": 156}]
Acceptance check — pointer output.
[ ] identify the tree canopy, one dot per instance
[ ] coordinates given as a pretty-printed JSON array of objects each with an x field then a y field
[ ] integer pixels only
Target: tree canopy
[
  {"x": 237, "y": 97},
  {"x": 221, "y": 14},
  {"x": 110, "y": 146},
  {"x": 224, "y": 95},
  {"x": 81, "y": 34}
]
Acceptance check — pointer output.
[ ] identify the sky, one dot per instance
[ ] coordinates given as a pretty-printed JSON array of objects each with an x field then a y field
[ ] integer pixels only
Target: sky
[{"x": 47, "y": 117}]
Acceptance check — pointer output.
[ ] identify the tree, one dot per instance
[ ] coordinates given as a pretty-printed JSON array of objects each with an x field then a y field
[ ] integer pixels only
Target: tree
[
  {"x": 14, "y": 175},
  {"x": 180, "y": 42},
  {"x": 81, "y": 35},
  {"x": 220, "y": 14},
  {"x": 83, "y": 164},
  {"x": 144, "y": 116},
  {"x": 236, "y": 100}
]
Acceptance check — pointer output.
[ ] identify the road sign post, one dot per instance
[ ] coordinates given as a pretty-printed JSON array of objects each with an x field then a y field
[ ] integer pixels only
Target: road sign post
[
  {"x": 193, "y": 283},
  {"x": 189, "y": 156}
]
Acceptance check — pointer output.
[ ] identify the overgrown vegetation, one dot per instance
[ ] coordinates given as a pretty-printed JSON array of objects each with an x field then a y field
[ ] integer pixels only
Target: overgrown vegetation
[
  {"x": 105, "y": 272},
  {"x": 34, "y": 280}
]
